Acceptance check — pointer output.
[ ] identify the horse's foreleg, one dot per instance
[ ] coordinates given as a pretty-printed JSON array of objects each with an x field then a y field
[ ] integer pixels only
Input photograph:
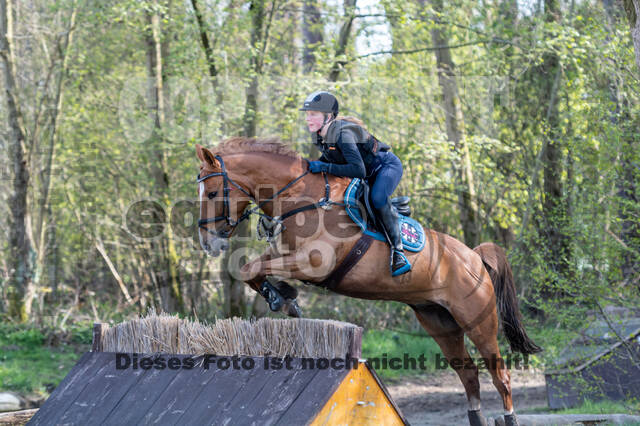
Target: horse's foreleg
[
  {"x": 252, "y": 272},
  {"x": 279, "y": 295}
]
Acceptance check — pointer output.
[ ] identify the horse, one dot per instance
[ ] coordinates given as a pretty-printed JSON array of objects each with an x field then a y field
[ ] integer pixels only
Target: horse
[{"x": 452, "y": 289}]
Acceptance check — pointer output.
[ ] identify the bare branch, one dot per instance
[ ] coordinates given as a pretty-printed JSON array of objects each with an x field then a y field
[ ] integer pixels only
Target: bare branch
[{"x": 423, "y": 49}]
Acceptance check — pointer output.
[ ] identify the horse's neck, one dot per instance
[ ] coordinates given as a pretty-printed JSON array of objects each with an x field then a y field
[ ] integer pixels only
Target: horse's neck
[{"x": 258, "y": 172}]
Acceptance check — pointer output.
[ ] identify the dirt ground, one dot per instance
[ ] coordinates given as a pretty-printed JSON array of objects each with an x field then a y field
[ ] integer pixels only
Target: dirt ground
[{"x": 439, "y": 399}]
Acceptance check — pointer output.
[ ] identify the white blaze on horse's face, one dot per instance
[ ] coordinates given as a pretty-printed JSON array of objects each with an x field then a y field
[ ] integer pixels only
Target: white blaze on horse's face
[{"x": 210, "y": 243}]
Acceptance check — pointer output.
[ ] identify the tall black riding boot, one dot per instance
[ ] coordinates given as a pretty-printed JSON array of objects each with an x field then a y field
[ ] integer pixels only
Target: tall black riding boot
[{"x": 399, "y": 263}]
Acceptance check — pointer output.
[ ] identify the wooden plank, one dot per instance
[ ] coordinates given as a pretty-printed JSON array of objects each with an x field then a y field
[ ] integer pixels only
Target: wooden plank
[
  {"x": 96, "y": 344},
  {"x": 355, "y": 349},
  {"x": 14, "y": 418},
  {"x": 246, "y": 397},
  {"x": 67, "y": 391},
  {"x": 178, "y": 398},
  {"x": 131, "y": 408},
  {"x": 224, "y": 385},
  {"x": 274, "y": 398},
  {"x": 313, "y": 397},
  {"x": 102, "y": 393},
  {"x": 258, "y": 395}
]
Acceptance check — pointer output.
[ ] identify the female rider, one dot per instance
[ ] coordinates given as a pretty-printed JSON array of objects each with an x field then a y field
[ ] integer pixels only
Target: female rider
[{"x": 349, "y": 150}]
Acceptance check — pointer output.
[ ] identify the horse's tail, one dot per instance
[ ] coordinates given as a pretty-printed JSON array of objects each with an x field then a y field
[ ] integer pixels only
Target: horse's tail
[{"x": 495, "y": 260}]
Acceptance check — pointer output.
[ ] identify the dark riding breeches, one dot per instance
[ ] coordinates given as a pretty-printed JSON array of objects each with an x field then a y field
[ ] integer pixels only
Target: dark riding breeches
[{"x": 385, "y": 178}]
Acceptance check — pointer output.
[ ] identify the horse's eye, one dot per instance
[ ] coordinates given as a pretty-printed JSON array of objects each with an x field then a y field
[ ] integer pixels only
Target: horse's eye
[{"x": 212, "y": 195}]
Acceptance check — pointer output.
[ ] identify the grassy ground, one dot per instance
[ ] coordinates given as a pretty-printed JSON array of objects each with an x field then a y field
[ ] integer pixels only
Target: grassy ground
[
  {"x": 381, "y": 345},
  {"x": 34, "y": 361},
  {"x": 592, "y": 407}
]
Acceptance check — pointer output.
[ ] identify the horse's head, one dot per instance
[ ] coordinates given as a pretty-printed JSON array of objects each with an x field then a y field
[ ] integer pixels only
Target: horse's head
[{"x": 221, "y": 203}]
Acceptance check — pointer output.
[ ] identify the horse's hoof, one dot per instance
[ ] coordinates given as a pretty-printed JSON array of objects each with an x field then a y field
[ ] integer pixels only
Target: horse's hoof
[
  {"x": 476, "y": 418},
  {"x": 272, "y": 296},
  {"x": 510, "y": 420},
  {"x": 292, "y": 309}
]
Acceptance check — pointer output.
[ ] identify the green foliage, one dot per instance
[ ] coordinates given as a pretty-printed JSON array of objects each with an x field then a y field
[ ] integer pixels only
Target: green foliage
[
  {"x": 82, "y": 333},
  {"x": 27, "y": 338}
]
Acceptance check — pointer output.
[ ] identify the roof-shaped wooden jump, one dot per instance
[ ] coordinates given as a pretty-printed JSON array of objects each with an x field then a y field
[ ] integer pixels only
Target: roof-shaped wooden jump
[{"x": 124, "y": 387}]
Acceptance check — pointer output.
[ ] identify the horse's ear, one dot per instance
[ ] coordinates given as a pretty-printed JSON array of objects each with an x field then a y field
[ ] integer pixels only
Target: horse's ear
[{"x": 207, "y": 156}]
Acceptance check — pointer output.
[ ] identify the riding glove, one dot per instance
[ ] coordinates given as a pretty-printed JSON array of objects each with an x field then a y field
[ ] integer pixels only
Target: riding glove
[{"x": 318, "y": 166}]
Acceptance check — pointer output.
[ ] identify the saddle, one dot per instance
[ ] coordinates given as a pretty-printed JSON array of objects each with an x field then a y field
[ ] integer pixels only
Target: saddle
[{"x": 358, "y": 206}]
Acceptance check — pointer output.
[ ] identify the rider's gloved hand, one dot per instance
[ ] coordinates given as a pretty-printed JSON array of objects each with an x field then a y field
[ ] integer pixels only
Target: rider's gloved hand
[{"x": 318, "y": 166}]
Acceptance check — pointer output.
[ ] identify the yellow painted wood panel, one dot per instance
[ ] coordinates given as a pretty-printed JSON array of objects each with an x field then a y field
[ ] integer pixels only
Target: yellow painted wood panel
[{"x": 358, "y": 401}]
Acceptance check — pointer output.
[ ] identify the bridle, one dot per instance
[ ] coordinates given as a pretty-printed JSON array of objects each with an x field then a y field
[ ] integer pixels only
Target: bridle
[{"x": 324, "y": 202}]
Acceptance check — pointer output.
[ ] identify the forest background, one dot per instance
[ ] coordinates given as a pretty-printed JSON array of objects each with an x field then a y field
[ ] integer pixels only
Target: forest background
[{"x": 516, "y": 122}]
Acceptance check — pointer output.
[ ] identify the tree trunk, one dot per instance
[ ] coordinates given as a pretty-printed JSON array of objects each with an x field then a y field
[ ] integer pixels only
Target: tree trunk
[
  {"x": 20, "y": 263},
  {"x": 632, "y": 7},
  {"x": 44, "y": 208},
  {"x": 555, "y": 221},
  {"x": 456, "y": 133},
  {"x": 237, "y": 304},
  {"x": 312, "y": 37},
  {"x": 627, "y": 182},
  {"x": 343, "y": 39},
  {"x": 312, "y": 33},
  {"x": 235, "y": 300},
  {"x": 162, "y": 248},
  {"x": 208, "y": 45},
  {"x": 257, "y": 12}
]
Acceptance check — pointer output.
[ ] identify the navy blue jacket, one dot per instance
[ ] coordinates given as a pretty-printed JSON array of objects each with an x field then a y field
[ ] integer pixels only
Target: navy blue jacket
[{"x": 349, "y": 149}]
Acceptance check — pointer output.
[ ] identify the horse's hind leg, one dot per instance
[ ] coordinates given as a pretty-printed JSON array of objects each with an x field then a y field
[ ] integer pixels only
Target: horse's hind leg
[
  {"x": 483, "y": 333},
  {"x": 439, "y": 323}
]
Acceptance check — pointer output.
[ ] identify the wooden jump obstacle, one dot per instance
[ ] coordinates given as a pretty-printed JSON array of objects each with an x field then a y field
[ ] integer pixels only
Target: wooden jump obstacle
[
  {"x": 599, "y": 365},
  {"x": 268, "y": 372}
]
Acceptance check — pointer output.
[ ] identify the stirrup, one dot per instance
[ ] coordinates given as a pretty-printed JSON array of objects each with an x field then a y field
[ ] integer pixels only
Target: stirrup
[{"x": 402, "y": 270}]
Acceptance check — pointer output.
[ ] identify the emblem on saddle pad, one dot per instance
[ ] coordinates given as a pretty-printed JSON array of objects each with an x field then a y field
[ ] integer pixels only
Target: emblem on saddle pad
[{"x": 409, "y": 233}]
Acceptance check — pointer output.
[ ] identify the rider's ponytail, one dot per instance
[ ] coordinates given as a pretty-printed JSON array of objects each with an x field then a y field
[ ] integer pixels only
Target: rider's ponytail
[{"x": 352, "y": 120}]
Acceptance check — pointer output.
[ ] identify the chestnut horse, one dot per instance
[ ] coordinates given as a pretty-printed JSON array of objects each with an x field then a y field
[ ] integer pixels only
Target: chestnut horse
[{"x": 452, "y": 289}]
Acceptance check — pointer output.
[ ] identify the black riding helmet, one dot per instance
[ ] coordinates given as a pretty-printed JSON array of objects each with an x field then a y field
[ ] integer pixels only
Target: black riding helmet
[{"x": 321, "y": 101}]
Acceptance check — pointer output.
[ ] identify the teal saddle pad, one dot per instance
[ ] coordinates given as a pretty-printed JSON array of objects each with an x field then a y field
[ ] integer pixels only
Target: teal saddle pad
[{"x": 413, "y": 235}]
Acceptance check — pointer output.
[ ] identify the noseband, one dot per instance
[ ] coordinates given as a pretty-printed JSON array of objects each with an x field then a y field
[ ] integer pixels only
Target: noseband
[{"x": 324, "y": 203}]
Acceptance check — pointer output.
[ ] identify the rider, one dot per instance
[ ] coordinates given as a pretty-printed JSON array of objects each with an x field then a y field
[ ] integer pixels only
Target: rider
[{"x": 336, "y": 137}]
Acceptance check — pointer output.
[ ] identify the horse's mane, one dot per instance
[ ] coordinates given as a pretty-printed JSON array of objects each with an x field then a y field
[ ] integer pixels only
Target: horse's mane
[{"x": 271, "y": 145}]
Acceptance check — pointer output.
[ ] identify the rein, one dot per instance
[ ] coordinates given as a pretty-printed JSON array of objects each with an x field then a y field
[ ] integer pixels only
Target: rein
[{"x": 324, "y": 203}]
